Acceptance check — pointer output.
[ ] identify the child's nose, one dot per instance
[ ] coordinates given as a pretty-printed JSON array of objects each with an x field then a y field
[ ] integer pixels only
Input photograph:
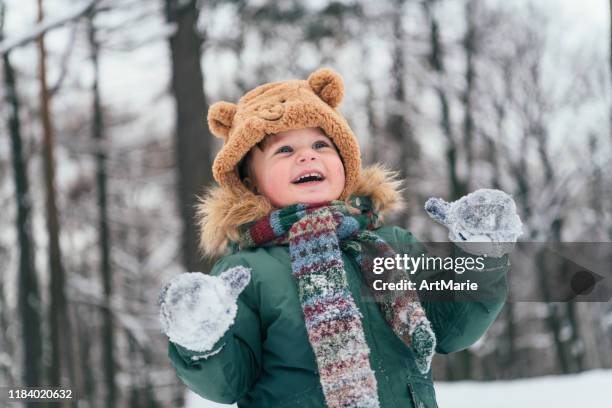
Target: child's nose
[{"x": 307, "y": 155}]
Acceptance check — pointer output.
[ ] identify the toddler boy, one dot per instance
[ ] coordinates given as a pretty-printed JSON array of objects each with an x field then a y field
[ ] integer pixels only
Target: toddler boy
[{"x": 289, "y": 317}]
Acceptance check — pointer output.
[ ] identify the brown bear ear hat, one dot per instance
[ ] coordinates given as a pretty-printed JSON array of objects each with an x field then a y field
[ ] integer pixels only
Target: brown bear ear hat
[{"x": 278, "y": 107}]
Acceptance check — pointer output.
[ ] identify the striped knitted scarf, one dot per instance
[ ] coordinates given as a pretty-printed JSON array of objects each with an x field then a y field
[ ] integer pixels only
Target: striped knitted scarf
[{"x": 316, "y": 234}]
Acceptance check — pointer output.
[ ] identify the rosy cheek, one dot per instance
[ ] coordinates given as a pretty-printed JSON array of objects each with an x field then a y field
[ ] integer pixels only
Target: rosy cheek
[
  {"x": 340, "y": 171},
  {"x": 275, "y": 180}
]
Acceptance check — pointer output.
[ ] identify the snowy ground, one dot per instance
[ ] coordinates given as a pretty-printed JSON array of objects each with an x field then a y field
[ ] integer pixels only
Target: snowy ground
[{"x": 589, "y": 389}]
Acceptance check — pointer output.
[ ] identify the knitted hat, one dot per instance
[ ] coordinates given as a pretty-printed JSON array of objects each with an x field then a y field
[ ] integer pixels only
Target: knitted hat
[{"x": 277, "y": 107}]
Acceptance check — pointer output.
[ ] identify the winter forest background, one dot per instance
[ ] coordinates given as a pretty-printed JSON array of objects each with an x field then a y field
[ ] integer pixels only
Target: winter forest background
[{"x": 103, "y": 147}]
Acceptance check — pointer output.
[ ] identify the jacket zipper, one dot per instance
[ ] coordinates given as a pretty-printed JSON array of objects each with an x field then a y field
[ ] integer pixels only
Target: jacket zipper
[{"x": 412, "y": 396}]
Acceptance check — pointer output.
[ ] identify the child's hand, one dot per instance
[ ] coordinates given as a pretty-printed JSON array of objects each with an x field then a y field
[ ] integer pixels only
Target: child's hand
[
  {"x": 485, "y": 216},
  {"x": 196, "y": 309}
]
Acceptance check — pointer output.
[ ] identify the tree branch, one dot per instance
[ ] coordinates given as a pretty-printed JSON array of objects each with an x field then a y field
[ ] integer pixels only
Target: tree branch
[{"x": 44, "y": 26}]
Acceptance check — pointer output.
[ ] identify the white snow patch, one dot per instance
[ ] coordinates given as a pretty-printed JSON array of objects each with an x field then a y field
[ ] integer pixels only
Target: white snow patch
[
  {"x": 588, "y": 389},
  {"x": 193, "y": 400}
]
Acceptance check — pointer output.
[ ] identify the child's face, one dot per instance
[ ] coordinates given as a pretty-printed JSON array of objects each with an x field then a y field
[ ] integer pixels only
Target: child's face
[{"x": 289, "y": 156}]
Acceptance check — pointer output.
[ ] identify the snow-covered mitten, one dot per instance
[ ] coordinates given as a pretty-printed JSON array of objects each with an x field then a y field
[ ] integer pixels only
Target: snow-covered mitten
[
  {"x": 197, "y": 309},
  {"x": 484, "y": 222}
]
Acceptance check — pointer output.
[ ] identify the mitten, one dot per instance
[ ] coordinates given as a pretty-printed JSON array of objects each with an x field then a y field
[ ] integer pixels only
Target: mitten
[
  {"x": 197, "y": 309},
  {"x": 484, "y": 222}
]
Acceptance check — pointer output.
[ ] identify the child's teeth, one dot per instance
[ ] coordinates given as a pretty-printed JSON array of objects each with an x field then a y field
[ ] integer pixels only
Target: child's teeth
[{"x": 310, "y": 175}]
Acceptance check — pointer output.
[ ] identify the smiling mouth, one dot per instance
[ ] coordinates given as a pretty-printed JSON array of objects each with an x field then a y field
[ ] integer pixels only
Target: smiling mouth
[{"x": 309, "y": 178}]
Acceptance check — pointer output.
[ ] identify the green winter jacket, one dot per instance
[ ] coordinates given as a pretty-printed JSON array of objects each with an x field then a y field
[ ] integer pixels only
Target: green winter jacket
[{"x": 265, "y": 359}]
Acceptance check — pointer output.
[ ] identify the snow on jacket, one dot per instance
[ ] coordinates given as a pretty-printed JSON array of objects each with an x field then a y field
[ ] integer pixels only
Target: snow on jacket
[{"x": 265, "y": 358}]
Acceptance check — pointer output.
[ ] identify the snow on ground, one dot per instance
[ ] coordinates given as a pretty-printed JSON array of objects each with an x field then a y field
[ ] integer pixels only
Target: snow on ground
[
  {"x": 194, "y": 401},
  {"x": 588, "y": 389}
]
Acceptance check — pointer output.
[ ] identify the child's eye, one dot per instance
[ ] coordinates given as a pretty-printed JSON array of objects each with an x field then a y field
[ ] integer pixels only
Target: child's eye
[
  {"x": 284, "y": 149},
  {"x": 320, "y": 143}
]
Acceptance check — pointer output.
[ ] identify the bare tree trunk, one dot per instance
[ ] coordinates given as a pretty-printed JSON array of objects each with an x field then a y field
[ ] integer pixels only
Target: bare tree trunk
[
  {"x": 6, "y": 344},
  {"x": 76, "y": 382},
  {"x": 136, "y": 399},
  {"x": 193, "y": 139},
  {"x": 462, "y": 361},
  {"x": 436, "y": 60},
  {"x": 501, "y": 112},
  {"x": 470, "y": 48},
  {"x": 29, "y": 299},
  {"x": 372, "y": 123},
  {"x": 602, "y": 343},
  {"x": 149, "y": 391},
  {"x": 86, "y": 361},
  {"x": 398, "y": 125},
  {"x": 570, "y": 354},
  {"x": 507, "y": 353},
  {"x": 104, "y": 238},
  {"x": 59, "y": 319},
  {"x": 554, "y": 317},
  {"x": 559, "y": 314}
]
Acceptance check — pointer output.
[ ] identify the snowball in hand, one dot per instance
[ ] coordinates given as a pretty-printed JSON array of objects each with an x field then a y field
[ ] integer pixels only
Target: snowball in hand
[
  {"x": 197, "y": 309},
  {"x": 485, "y": 215}
]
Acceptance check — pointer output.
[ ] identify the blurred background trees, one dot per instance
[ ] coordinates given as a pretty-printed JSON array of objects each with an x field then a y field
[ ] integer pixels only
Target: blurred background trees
[{"x": 104, "y": 149}]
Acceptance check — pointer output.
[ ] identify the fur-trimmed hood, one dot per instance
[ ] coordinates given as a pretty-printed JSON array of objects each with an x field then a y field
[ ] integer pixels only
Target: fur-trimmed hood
[{"x": 223, "y": 209}]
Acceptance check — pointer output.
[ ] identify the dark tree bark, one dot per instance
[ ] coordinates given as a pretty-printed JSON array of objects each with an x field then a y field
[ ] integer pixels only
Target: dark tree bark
[
  {"x": 29, "y": 299},
  {"x": 136, "y": 399},
  {"x": 461, "y": 366},
  {"x": 60, "y": 373},
  {"x": 610, "y": 107},
  {"x": 436, "y": 61},
  {"x": 398, "y": 125},
  {"x": 86, "y": 336},
  {"x": 559, "y": 314},
  {"x": 6, "y": 343},
  {"x": 192, "y": 136},
  {"x": 108, "y": 359},
  {"x": 597, "y": 192},
  {"x": 506, "y": 354},
  {"x": 470, "y": 49},
  {"x": 534, "y": 127}
]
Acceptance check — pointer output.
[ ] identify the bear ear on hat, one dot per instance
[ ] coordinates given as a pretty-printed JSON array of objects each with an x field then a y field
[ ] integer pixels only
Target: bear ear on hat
[
  {"x": 328, "y": 85},
  {"x": 220, "y": 118}
]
